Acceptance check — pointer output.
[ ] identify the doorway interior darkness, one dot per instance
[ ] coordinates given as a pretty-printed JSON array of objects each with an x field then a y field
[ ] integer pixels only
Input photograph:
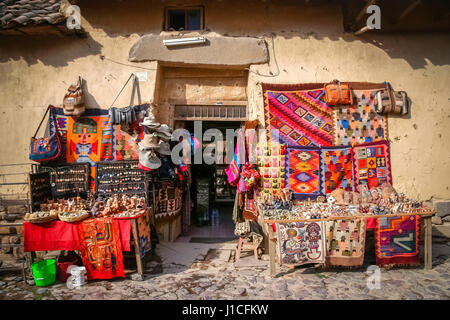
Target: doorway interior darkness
[{"x": 210, "y": 191}]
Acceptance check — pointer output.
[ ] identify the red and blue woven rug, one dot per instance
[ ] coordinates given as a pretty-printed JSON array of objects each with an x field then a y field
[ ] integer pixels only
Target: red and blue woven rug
[
  {"x": 397, "y": 240},
  {"x": 303, "y": 172},
  {"x": 298, "y": 117},
  {"x": 336, "y": 169}
]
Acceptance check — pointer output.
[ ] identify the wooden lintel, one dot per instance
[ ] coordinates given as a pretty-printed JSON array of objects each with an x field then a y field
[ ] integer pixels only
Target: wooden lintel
[{"x": 408, "y": 10}]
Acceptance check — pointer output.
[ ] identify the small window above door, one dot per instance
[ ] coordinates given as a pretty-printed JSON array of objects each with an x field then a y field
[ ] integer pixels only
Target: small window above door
[{"x": 184, "y": 18}]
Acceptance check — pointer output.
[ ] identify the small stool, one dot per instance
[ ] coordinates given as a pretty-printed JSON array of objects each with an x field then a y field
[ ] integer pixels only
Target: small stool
[{"x": 244, "y": 245}]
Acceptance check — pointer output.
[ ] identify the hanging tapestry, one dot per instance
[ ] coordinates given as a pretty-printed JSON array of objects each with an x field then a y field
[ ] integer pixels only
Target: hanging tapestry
[
  {"x": 301, "y": 242},
  {"x": 127, "y": 144},
  {"x": 303, "y": 172},
  {"x": 271, "y": 165},
  {"x": 372, "y": 164},
  {"x": 298, "y": 117},
  {"x": 336, "y": 168},
  {"x": 345, "y": 242},
  {"x": 145, "y": 244},
  {"x": 397, "y": 240},
  {"x": 359, "y": 123},
  {"x": 101, "y": 249}
]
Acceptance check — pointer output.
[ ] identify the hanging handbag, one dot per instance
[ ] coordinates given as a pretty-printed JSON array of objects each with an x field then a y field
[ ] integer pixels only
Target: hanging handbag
[
  {"x": 73, "y": 102},
  {"x": 338, "y": 93},
  {"x": 390, "y": 101},
  {"x": 46, "y": 149},
  {"x": 122, "y": 115}
]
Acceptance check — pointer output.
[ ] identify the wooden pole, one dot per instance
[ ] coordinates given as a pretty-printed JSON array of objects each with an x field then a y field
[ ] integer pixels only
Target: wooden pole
[{"x": 363, "y": 11}]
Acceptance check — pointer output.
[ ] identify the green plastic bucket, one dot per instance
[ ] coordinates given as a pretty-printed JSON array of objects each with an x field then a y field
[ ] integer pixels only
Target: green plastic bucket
[{"x": 44, "y": 272}]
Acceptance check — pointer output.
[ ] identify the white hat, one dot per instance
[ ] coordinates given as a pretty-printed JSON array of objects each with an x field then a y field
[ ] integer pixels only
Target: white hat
[
  {"x": 148, "y": 159},
  {"x": 164, "y": 148}
]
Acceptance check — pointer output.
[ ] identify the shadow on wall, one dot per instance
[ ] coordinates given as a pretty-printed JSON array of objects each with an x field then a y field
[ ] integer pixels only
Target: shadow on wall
[{"x": 51, "y": 51}]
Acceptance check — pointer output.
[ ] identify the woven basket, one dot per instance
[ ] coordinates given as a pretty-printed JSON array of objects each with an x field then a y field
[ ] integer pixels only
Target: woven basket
[
  {"x": 74, "y": 219},
  {"x": 42, "y": 220}
]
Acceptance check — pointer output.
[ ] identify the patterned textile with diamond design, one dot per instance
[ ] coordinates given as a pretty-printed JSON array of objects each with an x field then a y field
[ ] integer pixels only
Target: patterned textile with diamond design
[
  {"x": 372, "y": 164},
  {"x": 359, "y": 123},
  {"x": 303, "y": 172},
  {"x": 336, "y": 169},
  {"x": 397, "y": 240},
  {"x": 300, "y": 118}
]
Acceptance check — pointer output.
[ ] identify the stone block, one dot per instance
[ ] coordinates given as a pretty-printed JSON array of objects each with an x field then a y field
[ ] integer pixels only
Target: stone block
[
  {"x": 446, "y": 219},
  {"x": 17, "y": 209},
  {"x": 442, "y": 207},
  {"x": 436, "y": 220},
  {"x": 442, "y": 231}
]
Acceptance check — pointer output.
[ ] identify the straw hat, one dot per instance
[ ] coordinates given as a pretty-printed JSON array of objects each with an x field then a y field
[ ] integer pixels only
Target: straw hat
[
  {"x": 150, "y": 122},
  {"x": 148, "y": 160},
  {"x": 164, "y": 148},
  {"x": 150, "y": 141}
]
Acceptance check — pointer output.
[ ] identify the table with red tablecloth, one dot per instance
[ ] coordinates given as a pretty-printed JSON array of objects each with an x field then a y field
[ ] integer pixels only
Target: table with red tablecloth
[{"x": 59, "y": 235}]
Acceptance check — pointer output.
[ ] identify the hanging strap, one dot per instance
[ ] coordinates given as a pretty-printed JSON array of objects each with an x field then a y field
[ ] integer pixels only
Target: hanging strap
[
  {"x": 45, "y": 114},
  {"x": 131, "y": 75}
]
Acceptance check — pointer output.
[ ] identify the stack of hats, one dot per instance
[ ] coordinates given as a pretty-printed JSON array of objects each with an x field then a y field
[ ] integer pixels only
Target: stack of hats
[{"x": 156, "y": 139}]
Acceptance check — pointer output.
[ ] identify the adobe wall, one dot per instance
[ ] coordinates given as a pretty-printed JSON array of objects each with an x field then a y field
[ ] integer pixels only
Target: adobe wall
[{"x": 309, "y": 46}]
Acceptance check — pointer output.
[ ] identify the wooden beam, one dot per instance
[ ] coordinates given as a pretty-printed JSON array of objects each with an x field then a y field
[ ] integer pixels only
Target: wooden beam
[
  {"x": 362, "y": 30},
  {"x": 409, "y": 9},
  {"x": 363, "y": 11}
]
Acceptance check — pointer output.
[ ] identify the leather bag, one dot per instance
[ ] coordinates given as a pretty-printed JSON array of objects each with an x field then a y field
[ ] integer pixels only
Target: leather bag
[{"x": 337, "y": 93}]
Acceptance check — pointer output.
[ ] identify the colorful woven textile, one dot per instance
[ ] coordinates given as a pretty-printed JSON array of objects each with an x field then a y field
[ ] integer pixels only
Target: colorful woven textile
[
  {"x": 300, "y": 117},
  {"x": 397, "y": 240},
  {"x": 101, "y": 249},
  {"x": 345, "y": 242},
  {"x": 271, "y": 166},
  {"x": 301, "y": 242},
  {"x": 126, "y": 145},
  {"x": 145, "y": 243},
  {"x": 372, "y": 164},
  {"x": 359, "y": 123},
  {"x": 336, "y": 168},
  {"x": 304, "y": 177}
]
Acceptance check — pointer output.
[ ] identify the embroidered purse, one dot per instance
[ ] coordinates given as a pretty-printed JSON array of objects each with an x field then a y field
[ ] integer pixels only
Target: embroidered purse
[
  {"x": 48, "y": 148},
  {"x": 338, "y": 93},
  {"x": 73, "y": 102},
  {"x": 390, "y": 101}
]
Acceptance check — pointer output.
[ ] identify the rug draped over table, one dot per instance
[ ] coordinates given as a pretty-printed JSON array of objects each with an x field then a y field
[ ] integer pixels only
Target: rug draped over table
[
  {"x": 300, "y": 117},
  {"x": 301, "y": 242},
  {"x": 336, "y": 169},
  {"x": 303, "y": 172},
  {"x": 101, "y": 249},
  {"x": 397, "y": 240},
  {"x": 345, "y": 242}
]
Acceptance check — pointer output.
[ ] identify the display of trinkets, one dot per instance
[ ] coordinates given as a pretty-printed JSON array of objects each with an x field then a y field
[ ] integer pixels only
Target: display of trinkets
[
  {"x": 120, "y": 206},
  {"x": 41, "y": 216},
  {"x": 65, "y": 205},
  {"x": 39, "y": 187},
  {"x": 122, "y": 177},
  {"x": 69, "y": 180},
  {"x": 74, "y": 216}
]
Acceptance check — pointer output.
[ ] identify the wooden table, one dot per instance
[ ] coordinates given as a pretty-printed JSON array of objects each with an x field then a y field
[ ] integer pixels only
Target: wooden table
[{"x": 425, "y": 215}]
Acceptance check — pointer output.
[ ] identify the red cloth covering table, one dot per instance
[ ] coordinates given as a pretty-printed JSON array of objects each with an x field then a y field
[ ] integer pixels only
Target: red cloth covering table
[{"x": 60, "y": 235}]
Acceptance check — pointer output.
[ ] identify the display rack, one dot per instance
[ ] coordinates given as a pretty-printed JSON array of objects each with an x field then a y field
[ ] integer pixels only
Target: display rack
[
  {"x": 223, "y": 191},
  {"x": 120, "y": 177},
  {"x": 68, "y": 180},
  {"x": 40, "y": 191}
]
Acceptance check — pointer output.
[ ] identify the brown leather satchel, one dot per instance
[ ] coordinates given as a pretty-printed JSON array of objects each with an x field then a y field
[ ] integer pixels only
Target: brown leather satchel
[
  {"x": 338, "y": 93},
  {"x": 390, "y": 101},
  {"x": 73, "y": 102}
]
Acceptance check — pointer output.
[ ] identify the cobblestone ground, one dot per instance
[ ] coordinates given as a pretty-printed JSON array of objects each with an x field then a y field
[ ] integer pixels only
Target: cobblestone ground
[{"x": 217, "y": 279}]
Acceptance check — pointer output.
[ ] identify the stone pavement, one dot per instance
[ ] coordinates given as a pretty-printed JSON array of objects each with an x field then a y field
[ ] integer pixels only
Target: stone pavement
[{"x": 201, "y": 271}]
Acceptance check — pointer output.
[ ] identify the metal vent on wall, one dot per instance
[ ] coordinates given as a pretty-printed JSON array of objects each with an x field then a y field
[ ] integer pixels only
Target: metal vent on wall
[{"x": 211, "y": 112}]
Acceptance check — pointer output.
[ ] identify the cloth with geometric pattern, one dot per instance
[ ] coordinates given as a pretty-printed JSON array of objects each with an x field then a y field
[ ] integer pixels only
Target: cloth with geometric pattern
[
  {"x": 271, "y": 161},
  {"x": 336, "y": 169},
  {"x": 372, "y": 164},
  {"x": 303, "y": 172},
  {"x": 345, "y": 242},
  {"x": 359, "y": 123},
  {"x": 299, "y": 118},
  {"x": 301, "y": 242},
  {"x": 397, "y": 240}
]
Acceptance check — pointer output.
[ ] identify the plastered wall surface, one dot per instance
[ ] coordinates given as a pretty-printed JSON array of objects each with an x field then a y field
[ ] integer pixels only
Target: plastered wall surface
[{"x": 305, "y": 45}]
